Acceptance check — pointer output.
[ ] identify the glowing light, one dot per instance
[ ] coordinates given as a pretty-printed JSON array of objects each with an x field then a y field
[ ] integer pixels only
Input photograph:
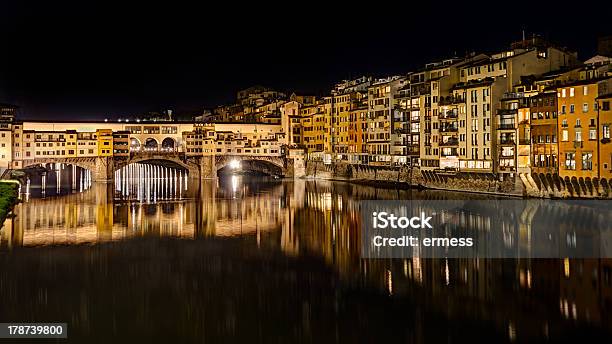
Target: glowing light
[{"x": 234, "y": 164}]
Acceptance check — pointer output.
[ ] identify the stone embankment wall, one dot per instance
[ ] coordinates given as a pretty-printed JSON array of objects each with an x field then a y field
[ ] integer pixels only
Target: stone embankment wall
[
  {"x": 522, "y": 185},
  {"x": 414, "y": 177},
  {"x": 525, "y": 185}
]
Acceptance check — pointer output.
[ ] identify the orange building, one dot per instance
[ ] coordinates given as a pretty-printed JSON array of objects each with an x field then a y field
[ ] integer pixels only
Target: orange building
[
  {"x": 577, "y": 130},
  {"x": 605, "y": 124}
]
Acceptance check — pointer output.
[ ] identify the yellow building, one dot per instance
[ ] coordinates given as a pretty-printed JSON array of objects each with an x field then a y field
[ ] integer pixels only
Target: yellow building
[
  {"x": 105, "y": 142},
  {"x": 313, "y": 127}
]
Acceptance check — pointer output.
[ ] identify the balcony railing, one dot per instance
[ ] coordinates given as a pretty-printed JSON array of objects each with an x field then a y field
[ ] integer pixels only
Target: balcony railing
[
  {"x": 448, "y": 115},
  {"x": 507, "y": 126},
  {"x": 454, "y": 142},
  {"x": 450, "y": 100},
  {"x": 452, "y": 153},
  {"x": 507, "y": 142},
  {"x": 513, "y": 95},
  {"x": 577, "y": 144},
  {"x": 507, "y": 111},
  {"x": 449, "y": 129}
]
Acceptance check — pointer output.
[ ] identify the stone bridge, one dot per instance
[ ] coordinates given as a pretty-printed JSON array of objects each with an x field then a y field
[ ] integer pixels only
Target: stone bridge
[{"x": 205, "y": 167}]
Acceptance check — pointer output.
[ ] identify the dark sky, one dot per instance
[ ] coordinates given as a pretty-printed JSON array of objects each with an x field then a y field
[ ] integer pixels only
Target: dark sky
[{"x": 90, "y": 59}]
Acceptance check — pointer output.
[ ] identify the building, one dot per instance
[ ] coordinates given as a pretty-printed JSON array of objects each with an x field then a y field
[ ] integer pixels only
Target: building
[
  {"x": 105, "y": 142},
  {"x": 578, "y": 127},
  {"x": 544, "y": 139},
  {"x": 381, "y": 105},
  {"x": 121, "y": 144},
  {"x": 7, "y": 117},
  {"x": 604, "y": 109}
]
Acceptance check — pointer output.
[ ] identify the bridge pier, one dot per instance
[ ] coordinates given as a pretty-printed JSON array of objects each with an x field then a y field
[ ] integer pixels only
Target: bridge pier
[
  {"x": 208, "y": 169},
  {"x": 103, "y": 171},
  {"x": 296, "y": 167}
]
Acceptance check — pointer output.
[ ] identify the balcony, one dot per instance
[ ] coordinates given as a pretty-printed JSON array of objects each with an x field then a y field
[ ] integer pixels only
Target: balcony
[
  {"x": 577, "y": 144},
  {"x": 450, "y": 142},
  {"x": 507, "y": 126},
  {"x": 450, "y": 100},
  {"x": 448, "y": 115},
  {"x": 510, "y": 112},
  {"x": 449, "y": 129},
  {"x": 413, "y": 150},
  {"x": 513, "y": 95},
  {"x": 453, "y": 152},
  {"x": 507, "y": 142}
]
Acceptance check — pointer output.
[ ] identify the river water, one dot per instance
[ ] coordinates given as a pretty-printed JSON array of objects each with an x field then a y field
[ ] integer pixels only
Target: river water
[{"x": 160, "y": 257}]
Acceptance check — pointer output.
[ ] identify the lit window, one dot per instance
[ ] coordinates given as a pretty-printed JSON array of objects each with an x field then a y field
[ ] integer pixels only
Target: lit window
[{"x": 571, "y": 91}]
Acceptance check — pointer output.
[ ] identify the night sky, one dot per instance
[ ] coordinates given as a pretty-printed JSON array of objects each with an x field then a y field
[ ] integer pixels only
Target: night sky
[{"x": 92, "y": 60}]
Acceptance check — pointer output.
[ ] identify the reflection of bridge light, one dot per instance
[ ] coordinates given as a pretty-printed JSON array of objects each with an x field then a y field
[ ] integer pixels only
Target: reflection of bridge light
[
  {"x": 234, "y": 183},
  {"x": 234, "y": 164}
]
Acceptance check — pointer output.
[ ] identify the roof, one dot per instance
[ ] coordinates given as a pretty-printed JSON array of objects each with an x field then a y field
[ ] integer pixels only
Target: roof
[{"x": 579, "y": 82}]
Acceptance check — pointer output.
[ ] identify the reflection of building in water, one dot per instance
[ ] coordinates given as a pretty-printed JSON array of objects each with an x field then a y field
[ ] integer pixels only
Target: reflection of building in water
[
  {"x": 586, "y": 290},
  {"x": 329, "y": 223},
  {"x": 92, "y": 216},
  {"x": 96, "y": 216}
]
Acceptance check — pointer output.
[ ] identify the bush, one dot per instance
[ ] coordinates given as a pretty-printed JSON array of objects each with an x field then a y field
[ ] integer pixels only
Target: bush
[{"x": 8, "y": 198}]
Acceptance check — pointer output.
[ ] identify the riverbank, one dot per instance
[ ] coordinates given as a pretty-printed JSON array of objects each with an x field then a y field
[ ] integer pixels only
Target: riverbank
[
  {"x": 403, "y": 177},
  {"x": 8, "y": 198}
]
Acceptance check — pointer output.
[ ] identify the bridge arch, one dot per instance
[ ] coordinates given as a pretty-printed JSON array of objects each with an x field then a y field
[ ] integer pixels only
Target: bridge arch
[
  {"x": 170, "y": 161},
  {"x": 268, "y": 165},
  {"x": 151, "y": 145},
  {"x": 135, "y": 145},
  {"x": 168, "y": 144},
  {"x": 84, "y": 163}
]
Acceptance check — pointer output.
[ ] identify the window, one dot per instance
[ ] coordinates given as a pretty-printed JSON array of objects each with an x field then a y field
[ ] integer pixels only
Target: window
[
  {"x": 587, "y": 161},
  {"x": 592, "y": 134},
  {"x": 578, "y": 136},
  {"x": 605, "y": 131},
  {"x": 564, "y": 135},
  {"x": 563, "y": 93},
  {"x": 605, "y": 106},
  {"x": 570, "y": 161},
  {"x": 572, "y": 108},
  {"x": 585, "y": 107},
  {"x": 571, "y": 91},
  {"x": 563, "y": 109}
]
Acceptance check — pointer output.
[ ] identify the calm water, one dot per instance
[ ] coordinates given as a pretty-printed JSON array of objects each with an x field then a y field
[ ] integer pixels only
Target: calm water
[{"x": 159, "y": 257}]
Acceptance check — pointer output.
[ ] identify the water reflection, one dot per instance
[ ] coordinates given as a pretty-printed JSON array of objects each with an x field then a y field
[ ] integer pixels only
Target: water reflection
[
  {"x": 234, "y": 274},
  {"x": 55, "y": 180},
  {"x": 150, "y": 183}
]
